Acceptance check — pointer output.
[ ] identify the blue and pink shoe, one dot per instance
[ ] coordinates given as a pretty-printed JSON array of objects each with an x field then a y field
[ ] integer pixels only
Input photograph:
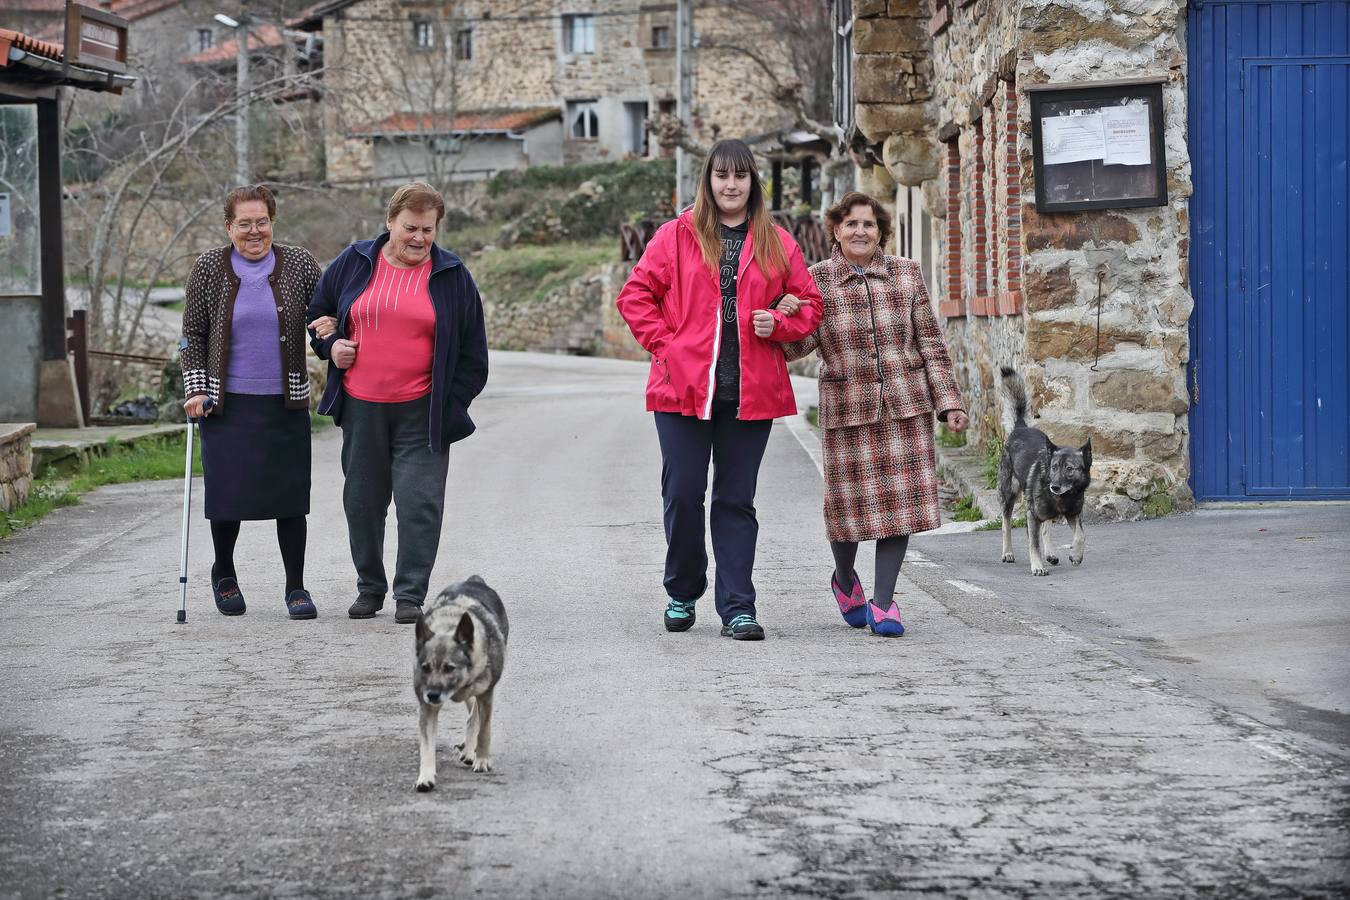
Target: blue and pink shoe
[
  {"x": 853, "y": 605},
  {"x": 885, "y": 622}
]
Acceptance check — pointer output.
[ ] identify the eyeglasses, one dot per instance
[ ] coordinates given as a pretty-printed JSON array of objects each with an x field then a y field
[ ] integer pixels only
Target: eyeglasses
[{"x": 246, "y": 226}]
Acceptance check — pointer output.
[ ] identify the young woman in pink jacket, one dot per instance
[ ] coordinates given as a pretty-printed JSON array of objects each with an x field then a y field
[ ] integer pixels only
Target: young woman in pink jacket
[{"x": 700, "y": 302}]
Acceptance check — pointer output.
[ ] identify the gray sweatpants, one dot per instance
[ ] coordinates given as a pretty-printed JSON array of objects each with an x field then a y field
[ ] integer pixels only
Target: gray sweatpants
[{"x": 385, "y": 455}]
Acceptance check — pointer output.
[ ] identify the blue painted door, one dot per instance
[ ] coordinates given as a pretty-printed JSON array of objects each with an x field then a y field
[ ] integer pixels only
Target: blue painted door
[{"x": 1270, "y": 253}]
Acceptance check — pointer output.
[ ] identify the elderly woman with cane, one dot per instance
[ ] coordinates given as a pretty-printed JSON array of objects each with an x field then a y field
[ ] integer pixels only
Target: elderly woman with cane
[
  {"x": 884, "y": 371},
  {"x": 400, "y": 321},
  {"x": 244, "y": 351},
  {"x": 700, "y": 301}
]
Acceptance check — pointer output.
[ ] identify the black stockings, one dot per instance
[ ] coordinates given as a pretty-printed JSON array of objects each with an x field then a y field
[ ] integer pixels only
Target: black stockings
[
  {"x": 890, "y": 556},
  {"x": 291, "y": 535}
]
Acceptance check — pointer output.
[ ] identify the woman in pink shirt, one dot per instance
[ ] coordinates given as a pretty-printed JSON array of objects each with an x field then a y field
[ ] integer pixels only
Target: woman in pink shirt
[{"x": 401, "y": 323}]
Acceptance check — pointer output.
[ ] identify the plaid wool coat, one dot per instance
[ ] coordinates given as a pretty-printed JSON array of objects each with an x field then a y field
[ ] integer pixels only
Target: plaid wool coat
[{"x": 878, "y": 338}]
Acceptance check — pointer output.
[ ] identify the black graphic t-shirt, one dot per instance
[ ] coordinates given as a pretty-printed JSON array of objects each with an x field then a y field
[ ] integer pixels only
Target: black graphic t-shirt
[{"x": 727, "y": 395}]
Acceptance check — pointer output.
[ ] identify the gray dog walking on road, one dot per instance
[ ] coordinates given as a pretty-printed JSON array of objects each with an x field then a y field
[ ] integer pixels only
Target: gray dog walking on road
[
  {"x": 461, "y": 651},
  {"x": 1052, "y": 479}
]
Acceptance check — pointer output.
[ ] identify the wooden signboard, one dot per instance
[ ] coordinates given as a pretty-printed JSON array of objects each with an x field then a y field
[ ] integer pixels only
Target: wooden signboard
[{"x": 95, "y": 39}]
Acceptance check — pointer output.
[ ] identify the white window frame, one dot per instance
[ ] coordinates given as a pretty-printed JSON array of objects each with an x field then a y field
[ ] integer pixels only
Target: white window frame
[
  {"x": 424, "y": 34},
  {"x": 579, "y": 110},
  {"x": 578, "y": 33}
]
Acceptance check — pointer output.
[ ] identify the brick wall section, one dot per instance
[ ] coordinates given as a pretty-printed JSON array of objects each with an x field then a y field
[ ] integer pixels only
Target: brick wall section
[
  {"x": 16, "y": 464},
  {"x": 979, "y": 220},
  {"x": 952, "y": 304},
  {"x": 1010, "y": 297}
]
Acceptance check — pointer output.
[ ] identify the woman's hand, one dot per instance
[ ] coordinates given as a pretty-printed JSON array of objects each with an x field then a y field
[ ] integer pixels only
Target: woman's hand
[
  {"x": 788, "y": 305},
  {"x": 957, "y": 420},
  {"x": 195, "y": 407},
  {"x": 764, "y": 323},
  {"x": 323, "y": 327},
  {"x": 344, "y": 353}
]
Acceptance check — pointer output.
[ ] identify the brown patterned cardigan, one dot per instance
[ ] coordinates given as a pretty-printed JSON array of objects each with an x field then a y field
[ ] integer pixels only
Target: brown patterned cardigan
[
  {"x": 208, "y": 310},
  {"x": 878, "y": 336}
]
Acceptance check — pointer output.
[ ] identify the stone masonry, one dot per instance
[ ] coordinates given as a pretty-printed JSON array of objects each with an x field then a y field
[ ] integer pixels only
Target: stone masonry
[
  {"x": 940, "y": 88},
  {"x": 375, "y": 69},
  {"x": 16, "y": 464}
]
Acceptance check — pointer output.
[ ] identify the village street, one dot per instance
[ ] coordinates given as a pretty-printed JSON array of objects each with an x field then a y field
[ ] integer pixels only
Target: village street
[{"x": 1009, "y": 745}]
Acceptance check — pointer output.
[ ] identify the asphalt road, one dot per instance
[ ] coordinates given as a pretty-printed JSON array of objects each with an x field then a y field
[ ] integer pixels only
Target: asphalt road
[{"x": 991, "y": 752}]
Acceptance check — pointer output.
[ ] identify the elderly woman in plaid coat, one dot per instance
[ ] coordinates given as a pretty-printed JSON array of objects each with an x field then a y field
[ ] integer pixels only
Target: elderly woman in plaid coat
[{"x": 884, "y": 371}]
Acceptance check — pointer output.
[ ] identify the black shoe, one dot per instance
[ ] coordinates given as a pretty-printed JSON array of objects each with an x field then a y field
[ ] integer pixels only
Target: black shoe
[
  {"x": 406, "y": 612},
  {"x": 300, "y": 605},
  {"x": 229, "y": 599},
  {"x": 366, "y": 606},
  {"x": 743, "y": 628}
]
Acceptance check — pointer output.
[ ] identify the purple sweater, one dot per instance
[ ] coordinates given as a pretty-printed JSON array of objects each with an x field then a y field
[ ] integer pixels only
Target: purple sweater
[{"x": 255, "y": 338}]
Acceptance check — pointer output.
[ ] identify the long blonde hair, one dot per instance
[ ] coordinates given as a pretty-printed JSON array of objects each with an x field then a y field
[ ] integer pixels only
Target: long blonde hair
[{"x": 767, "y": 247}]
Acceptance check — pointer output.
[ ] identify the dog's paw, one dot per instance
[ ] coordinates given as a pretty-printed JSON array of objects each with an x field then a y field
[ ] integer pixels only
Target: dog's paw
[
  {"x": 466, "y": 758},
  {"x": 1040, "y": 571},
  {"x": 1052, "y": 560},
  {"x": 1076, "y": 560},
  {"x": 424, "y": 786},
  {"x": 1008, "y": 557},
  {"x": 483, "y": 764}
]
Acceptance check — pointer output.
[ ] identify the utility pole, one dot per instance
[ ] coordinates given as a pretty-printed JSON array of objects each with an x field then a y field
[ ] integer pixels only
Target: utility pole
[
  {"x": 684, "y": 76},
  {"x": 243, "y": 170}
]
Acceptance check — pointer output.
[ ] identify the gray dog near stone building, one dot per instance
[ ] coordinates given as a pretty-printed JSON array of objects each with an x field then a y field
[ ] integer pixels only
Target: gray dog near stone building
[
  {"x": 1052, "y": 479},
  {"x": 461, "y": 651}
]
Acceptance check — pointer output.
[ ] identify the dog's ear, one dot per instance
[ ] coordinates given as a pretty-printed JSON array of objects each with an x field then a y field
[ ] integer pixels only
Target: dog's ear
[
  {"x": 475, "y": 579},
  {"x": 422, "y": 630},
  {"x": 464, "y": 633},
  {"x": 1086, "y": 450}
]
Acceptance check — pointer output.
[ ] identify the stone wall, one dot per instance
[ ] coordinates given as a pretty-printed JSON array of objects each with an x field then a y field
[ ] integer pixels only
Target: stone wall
[
  {"x": 374, "y": 70},
  {"x": 577, "y": 318},
  {"x": 16, "y": 464},
  {"x": 1021, "y": 288}
]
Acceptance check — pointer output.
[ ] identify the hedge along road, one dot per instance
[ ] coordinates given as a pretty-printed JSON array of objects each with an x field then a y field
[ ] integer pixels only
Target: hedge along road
[{"x": 986, "y": 752}]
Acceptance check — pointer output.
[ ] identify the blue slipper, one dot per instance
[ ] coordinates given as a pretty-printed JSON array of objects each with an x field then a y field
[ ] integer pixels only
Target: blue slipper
[
  {"x": 300, "y": 605},
  {"x": 229, "y": 599}
]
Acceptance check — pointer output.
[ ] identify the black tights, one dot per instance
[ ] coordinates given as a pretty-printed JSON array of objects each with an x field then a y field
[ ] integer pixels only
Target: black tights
[
  {"x": 890, "y": 556},
  {"x": 290, "y": 538}
]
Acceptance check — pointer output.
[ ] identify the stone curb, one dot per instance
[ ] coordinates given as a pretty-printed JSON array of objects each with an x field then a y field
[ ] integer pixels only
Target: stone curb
[
  {"x": 92, "y": 442},
  {"x": 964, "y": 468}
]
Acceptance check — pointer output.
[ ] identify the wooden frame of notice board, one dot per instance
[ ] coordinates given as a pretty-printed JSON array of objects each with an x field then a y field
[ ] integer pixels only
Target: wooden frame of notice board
[{"x": 1098, "y": 146}]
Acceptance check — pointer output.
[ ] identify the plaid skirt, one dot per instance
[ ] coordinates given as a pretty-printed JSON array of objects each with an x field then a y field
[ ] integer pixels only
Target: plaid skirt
[{"x": 880, "y": 479}]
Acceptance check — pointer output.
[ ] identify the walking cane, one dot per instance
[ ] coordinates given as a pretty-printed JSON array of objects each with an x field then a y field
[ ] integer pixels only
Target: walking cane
[{"x": 187, "y": 506}]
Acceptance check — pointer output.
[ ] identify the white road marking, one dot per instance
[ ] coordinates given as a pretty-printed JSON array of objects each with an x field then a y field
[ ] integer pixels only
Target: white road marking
[
  {"x": 801, "y": 430},
  {"x": 969, "y": 588}
]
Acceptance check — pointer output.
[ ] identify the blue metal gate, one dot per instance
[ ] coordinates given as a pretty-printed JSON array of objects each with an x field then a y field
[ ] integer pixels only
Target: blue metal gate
[{"x": 1270, "y": 254}]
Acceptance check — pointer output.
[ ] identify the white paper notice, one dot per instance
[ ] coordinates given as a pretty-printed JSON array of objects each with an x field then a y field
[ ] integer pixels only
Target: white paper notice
[
  {"x": 1127, "y": 142},
  {"x": 5, "y": 230},
  {"x": 1068, "y": 139}
]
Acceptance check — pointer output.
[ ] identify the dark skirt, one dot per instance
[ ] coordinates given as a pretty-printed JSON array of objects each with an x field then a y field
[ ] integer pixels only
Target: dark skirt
[{"x": 255, "y": 456}]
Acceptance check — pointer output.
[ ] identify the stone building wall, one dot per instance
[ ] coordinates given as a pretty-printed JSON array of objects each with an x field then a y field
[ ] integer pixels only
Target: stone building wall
[
  {"x": 1021, "y": 288},
  {"x": 16, "y": 464},
  {"x": 519, "y": 61}
]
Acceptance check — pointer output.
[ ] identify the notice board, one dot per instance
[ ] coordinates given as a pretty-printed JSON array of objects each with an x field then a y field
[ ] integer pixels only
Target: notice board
[{"x": 1098, "y": 146}]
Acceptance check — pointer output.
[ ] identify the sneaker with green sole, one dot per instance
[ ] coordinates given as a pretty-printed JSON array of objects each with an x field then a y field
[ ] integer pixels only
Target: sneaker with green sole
[
  {"x": 743, "y": 628},
  {"x": 679, "y": 615}
]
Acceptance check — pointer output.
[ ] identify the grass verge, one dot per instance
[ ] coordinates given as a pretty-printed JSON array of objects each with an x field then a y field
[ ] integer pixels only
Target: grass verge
[
  {"x": 145, "y": 460},
  {"x": 526, "y": 273},
  {"x": 997, "y": 524},
  {"x": 965, "y": 510}
]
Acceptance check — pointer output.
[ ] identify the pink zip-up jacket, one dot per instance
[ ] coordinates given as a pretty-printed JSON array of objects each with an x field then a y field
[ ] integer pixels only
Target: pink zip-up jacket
[{"x": 672, "y": 303}]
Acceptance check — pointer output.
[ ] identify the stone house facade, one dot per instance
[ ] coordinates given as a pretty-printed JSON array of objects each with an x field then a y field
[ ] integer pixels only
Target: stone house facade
[
  {"x": 1199, "y": 337},
  {"x": 942, "y": 101},
  {"x": 604, "y": 65}
]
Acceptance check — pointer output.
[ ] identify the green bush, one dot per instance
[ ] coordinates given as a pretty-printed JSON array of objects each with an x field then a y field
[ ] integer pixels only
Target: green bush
[
  {"x": 993, "y": 452},
  {"x": 948, "y": 438},
  {"x": 545, "y": 204},
  {"x": 527, "y": 274},
  {"x": 965, "y": 510}
]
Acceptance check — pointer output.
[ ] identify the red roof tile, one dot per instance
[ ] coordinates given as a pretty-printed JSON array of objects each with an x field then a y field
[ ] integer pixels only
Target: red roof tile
[
  {"x": 259, "y": 36},
  {"x": 466, "y": 121},
  {"x": 28, "y": 44}
]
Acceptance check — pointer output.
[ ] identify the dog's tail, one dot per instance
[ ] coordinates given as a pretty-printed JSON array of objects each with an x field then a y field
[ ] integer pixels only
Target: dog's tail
[{"x": 1017, "y": 395}]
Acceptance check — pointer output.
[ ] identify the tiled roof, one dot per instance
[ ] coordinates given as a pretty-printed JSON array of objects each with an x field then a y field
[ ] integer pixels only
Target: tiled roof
[
  {"x": 259, "y": 36},
  {"x": 466, "y": 121},
  {"x": 28, "y": 44}
]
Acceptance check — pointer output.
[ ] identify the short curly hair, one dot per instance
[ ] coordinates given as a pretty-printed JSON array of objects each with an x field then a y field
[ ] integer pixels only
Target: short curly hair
[
  {"x": 248, "y": 192},
  {"x": 835, "y": 215}
]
